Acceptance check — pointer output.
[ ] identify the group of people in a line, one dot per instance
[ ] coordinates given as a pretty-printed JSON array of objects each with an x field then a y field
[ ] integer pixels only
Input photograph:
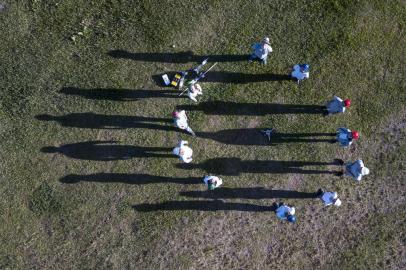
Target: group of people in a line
[{"x": 344, "y": 136}]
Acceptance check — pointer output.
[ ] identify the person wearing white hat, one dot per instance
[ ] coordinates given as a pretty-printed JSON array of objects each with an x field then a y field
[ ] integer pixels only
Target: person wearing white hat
[
  {"x": 184, "y": 152},
  {"x": 212, "y": 181},
  {"x": 285, "y": 212},
  {"x": 180, "y": 120},
  {"x": 329, "y": 198},
  {"x": 261, "y": 51},
  {"x": 300, "y": 72},
  {"x": 356, "y": 170},
  {"x": 194, "y": 90}
]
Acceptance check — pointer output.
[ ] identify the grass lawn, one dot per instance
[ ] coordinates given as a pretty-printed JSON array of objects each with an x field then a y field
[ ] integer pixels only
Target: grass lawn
[{"x": 81, "y": 99}]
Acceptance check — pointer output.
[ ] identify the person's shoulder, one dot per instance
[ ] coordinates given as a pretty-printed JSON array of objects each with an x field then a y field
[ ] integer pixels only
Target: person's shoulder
[
  {"x": 282, "y": 208},
  {"x": 182, "y": 113}
]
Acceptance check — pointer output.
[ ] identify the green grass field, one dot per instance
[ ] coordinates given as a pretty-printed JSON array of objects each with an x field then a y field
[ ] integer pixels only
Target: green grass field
[{"x": 74, "y": 72}]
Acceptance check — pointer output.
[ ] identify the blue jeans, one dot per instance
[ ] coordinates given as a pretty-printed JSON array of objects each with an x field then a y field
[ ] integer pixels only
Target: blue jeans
[{"x": 263, "y": 61}]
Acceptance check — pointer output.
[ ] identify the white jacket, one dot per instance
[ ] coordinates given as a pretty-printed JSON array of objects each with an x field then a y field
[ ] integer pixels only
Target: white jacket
[
  {"x": 184, "y": 152},
  {"x": 181, "y": 120},
  {"x": 218, "y": 180}
]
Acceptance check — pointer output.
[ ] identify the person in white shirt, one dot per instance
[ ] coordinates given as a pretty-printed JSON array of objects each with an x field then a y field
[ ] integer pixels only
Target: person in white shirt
[
  {"x": 194, "y": 90},
  {"x": 184, "y": 152},
  {"x": 300, "y": 72},
  {"x": 329, "y": 198},
  {"x": 337, "y": 105},
  {"x": 356, "y": 170},
  {"x": 345, "y": 136},
  {"x": 285, "y": 212},
  {"x": 180, "y": 120},
  {"x": 212, "y": 182},
  {"x": 261, "y": 51}
]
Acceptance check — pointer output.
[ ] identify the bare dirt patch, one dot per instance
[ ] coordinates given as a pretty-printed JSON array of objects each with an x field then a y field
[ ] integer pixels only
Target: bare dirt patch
[{"x": 254, "y": 122}]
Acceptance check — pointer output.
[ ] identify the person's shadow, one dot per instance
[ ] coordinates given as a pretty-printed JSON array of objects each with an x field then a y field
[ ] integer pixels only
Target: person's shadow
[
  {"x": 236, "y": 166},
  {"x": 250, "y": 193},
  {"x": 107, "y": 151},
  {"x": 133, "y": 179},
  {"x": 179, "y": 57},
  {"x": 101, "y": 121},
  {"x": 216, "y": 205},
  {"x": 119, "y": 94},
  {"x": 234, "y": 108},
  {"x": 253, "y": 136}
]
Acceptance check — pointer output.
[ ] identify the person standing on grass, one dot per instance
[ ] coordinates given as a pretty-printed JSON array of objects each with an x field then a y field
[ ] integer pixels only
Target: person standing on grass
[
  {"x": 285, "y": 212},
  {"x": 184, "y": 152},
  {"x": 300, "y": 72},
  {"x": 356, "y": 170},
  {"x": 194, "y": 90},
  {"x": 345, "y": 136},
  {"x": 337, "y": 105},
  {"x": 329, "y": 198},
  {"x": 261, "y": 51},
  {"x": 212, "y": 182},
  {"x": 180, "y": 120}
]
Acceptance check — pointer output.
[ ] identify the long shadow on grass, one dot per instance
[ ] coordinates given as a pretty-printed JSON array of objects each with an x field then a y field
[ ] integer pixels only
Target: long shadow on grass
[
  {"x": 216, "y": 205},
  {"x": 234, "y": 108},
  {"x": 253, "y": 136},
  {"x": 119, "y": 94},
  {"x": 102, "y": 121},
  {"x": 236, "y": 166},
  {"x": 133, "y": 179},
  {"x": 107, "y": 151},
  {"x": 250, "y": 193},
  {"x": 231, "y": 77},
  {"x": 180, "y": 57}
]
